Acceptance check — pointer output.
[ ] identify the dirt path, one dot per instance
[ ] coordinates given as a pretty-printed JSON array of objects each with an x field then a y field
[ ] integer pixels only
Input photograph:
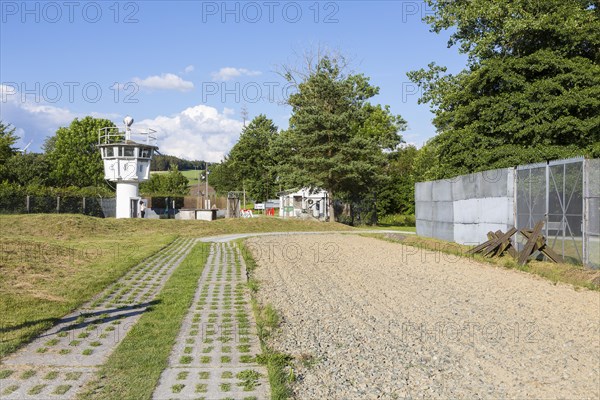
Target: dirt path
[{"x": 368, "y": 319}]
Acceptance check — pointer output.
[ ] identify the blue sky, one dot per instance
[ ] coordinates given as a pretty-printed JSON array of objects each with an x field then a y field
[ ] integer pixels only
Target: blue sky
[{"x": 187, "y": 68}]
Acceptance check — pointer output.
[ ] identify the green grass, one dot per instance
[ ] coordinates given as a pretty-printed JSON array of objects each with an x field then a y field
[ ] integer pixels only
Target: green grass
[
  {"x": 6, "y": 373},
  {"x": 389, "y": 228},
  {"x": 267, "y": 321},
  {"x": 9, "y": 389},
  {"x": 249, "y": 379},
  {"x": 61, "y": 389},
  {"x": 37, "y": 389},
  {"x": 51, "y": 375},
  {"x": 52, "y": 264},
  {"x": 133, "y": 369}
]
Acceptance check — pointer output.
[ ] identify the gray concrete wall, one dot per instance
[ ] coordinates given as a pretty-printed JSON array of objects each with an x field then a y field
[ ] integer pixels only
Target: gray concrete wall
[{"x": 463, "y": 209}]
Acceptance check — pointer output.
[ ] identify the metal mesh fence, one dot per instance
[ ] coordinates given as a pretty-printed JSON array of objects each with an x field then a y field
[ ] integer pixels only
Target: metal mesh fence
[
  {"x": 565, "y": 195},
  {"x": 92, "y": 206},
  {"x": 592, "y": 212}
]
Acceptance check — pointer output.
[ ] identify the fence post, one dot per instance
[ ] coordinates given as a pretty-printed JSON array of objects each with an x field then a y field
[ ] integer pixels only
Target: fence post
[
  {"x": 27, "y": 204},
  {"x": 58, "y": 204},
  {"x": 83, "y": 205}
]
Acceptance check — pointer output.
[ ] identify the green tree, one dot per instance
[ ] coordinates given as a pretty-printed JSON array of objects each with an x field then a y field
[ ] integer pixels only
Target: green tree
[
  {"x": 531, "y": 91},
  {"x": 397, "y": 194},
  {"x": 7, "y": 141},
  {"x": 251, "y": 159},
  {"x": 172, "y": 183},
  {"x": 28, "y": 169},
  {"x": 75, "y": 158},
  {"x": 332, "y": 142},
  {"x": 223, "y": 178}
]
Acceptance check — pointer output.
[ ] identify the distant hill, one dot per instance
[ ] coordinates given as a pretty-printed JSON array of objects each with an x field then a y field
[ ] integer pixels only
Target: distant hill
[{"x": 164, "y": 162}]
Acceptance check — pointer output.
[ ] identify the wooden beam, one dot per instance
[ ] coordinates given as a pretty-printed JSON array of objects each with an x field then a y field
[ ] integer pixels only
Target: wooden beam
[
  {"x": 546, "y": 250},
  {"x": 531, "y": 241},
  {"x": 499, "y": 241},
  {"x": 480, "y": 247}
]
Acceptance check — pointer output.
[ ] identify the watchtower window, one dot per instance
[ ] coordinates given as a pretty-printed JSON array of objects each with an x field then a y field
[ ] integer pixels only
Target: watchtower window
[
  {"x": 108, "y": 152},
  {"x": 144, "y": 153},
  {"x": 129, "y": 151}
]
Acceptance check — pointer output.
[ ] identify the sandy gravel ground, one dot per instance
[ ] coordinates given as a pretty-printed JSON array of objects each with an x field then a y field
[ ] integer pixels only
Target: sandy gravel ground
[{"x": 369, "y": 319}]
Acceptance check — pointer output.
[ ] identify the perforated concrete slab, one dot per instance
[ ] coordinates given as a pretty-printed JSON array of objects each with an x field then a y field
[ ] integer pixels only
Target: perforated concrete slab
[
  {"x": 60, "y": 361},
  {"x": 215, "y": 353}
]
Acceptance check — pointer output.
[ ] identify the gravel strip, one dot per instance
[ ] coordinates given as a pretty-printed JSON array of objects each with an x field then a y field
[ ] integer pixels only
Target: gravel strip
[
  {"x": 370, "y": 319},
  {"x": 60, "y": 361}
]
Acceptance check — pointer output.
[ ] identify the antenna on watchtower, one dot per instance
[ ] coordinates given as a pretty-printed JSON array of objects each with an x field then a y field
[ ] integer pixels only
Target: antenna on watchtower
[{"x": 128, "y": 121}]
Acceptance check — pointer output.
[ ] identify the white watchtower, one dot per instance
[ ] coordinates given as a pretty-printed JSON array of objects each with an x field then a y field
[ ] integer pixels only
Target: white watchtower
[{"x": 127, "y": 157}]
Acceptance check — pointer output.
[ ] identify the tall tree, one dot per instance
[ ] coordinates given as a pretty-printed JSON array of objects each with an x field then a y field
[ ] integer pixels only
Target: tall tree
[
  {"x": 330, "y": 143},
  {"x": 252, "y": 159},
  {"x": 75, "y": 158},
  {"x": 397, "y": 194},
  {"x": 531, "y": 91},
  {"x": 8, "y": 138}
]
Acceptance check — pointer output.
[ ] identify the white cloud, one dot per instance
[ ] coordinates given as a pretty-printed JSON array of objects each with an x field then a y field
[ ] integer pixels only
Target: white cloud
[
  {"x": 228, "y": 73},
  {"x": 164, "y": 82},
  {"x": 188, "y": 69},
  {"x": 34, "y": 121},
  {"x": 198, "y": 132}
]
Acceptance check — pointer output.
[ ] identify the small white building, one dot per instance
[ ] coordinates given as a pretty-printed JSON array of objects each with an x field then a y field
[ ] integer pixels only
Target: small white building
[{"x": 304, "y": 203}]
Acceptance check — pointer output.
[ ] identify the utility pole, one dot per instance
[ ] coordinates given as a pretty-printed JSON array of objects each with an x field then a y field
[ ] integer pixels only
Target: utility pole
[
  {"x": 198, "y": 186},
  {"x": 244, "y": 113},
  {"x": 207, "y": 205},
  {"x": 244, "y": 188}
]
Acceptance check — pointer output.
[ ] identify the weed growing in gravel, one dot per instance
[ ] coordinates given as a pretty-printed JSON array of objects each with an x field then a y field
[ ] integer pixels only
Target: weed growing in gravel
[
  {"x": 186, "y": 360},
  {"x": 267, "y": 321},
  {"x": 225, "y": 387},
  {"x": 61, "y": 389},
  {"x": 73, "y": 376},
  {"x": 5, "y": 373},
  {"x": 249, "y": 379},
  {"x": 182, "y": 375},
  {"x": 87, "y": 352},
  {"x": 204, "y": 374},
  {"x": 37, "y": 389},
  {"x": 244, "y": 348},
  {"x": 51, "y": 375},
  {"x": 9, "y": 389},
  {"x": 201, "y": 388},
  {"x": 177, "y": 388},
  {"x": 64, "y": 351},
  {"x": 42, "y": 350},
  {"x": 227, "y": 375}
]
